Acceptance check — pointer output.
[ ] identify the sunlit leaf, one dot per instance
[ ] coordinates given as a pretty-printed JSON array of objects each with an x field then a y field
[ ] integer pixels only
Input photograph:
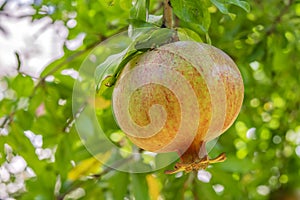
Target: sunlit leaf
[
  {"x": 154, "y": 187},
  {"x": 88, "y": 166}
]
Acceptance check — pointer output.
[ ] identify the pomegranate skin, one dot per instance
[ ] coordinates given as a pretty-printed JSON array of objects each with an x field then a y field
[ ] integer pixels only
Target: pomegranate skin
[{"x": 184, "y": 117}]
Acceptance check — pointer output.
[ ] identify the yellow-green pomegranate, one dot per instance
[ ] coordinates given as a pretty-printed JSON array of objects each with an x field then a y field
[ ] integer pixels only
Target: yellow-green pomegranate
[{"x": 178, "y": 97}]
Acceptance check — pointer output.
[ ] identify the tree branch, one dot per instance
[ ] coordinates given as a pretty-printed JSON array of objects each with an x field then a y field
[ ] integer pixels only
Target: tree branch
[
  {"x": 168, "y": 15},
  {"x": 278, "y": 19},
  {"x": 62, "y": 64}
]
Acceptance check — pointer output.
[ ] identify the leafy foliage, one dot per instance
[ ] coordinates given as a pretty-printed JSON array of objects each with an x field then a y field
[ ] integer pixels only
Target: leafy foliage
[{"x": 263, "y": 145}]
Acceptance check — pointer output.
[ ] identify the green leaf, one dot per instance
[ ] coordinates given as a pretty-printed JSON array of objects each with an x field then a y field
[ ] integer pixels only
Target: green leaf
[
  {"x": 94, "y": 191},
  {"x": 118, "y": 184},
  {"x": 140, "y": 23},
  {"x": 195, "y": 12},
  {"x": 63, "y": 155},
  {"x": 107, "y": 121},
  {"x": 188, "y": 34},
  {"x": 205, "y": 191},
  {"x": 22, "y": 146},
  {"x": 70, "y": 59},
  {"x": 23, "y": 85},
  {"x": 172, "y": 184},
  {"x": 105, "y": 71},
  {"x": 226, "y": 180},
  {"x": 222, "y": 5},
  {"x": 36, "y": 100},
  {"x": 49, "y": 131},
  {"x": 24, "y": 119},
  {"x": 125, "y": 4},
  {"x": 233, "y": 164},
  {"x": 140, "y": 186},
  {"x": 140, "y": 10},
  {"x": 108, "y": 71},
  {"x": 242, "y": 4},
  {"x": 155, "y": 38},
  {"x": 42, "y": 187},
  {"x": 6, "y": 107}
]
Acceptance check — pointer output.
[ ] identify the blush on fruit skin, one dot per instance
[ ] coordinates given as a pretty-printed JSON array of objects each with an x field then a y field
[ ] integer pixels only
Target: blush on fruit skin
[{"x": 214, "y": 80}]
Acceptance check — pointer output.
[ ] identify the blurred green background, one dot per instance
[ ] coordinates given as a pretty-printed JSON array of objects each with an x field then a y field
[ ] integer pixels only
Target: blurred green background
[{"x": 41, "y": 154}]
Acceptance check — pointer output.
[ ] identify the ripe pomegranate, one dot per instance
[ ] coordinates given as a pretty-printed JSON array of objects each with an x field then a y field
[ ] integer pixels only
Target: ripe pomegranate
[{"x": 176, "y": 98}]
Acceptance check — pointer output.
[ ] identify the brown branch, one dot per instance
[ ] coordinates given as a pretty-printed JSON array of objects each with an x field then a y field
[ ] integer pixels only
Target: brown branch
[
  {"x": 278, "y": 19},
  {"x": 71, "y": 58},
  {"x": 5, "y": 121},
  {"x": 62, "y": 64},
  {"x": 8, "y": 119},
  {"x": 168, "y": 15}
]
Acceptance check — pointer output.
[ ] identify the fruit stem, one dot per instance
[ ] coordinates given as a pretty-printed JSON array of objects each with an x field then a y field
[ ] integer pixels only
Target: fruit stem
[
  {"x": 168, "y": 15},
  {"x": 195, "y": 158}
]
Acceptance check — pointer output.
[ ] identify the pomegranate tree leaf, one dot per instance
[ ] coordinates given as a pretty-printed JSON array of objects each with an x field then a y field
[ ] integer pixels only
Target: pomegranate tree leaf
[
  {"x": 140, "y": 23},
  {"x": 155, "y": 39},
  {"x": 108, "y": 71},
  {"x": 118, "y": 183},
  {"x": 18, "y": 85},
  {"x": 194, "y": 13},
  {"x": 140, "y": 186},
  {"x": 223, "y": 5},
  {"x": 140, "y": 10},
  {"x": 242, "y": 4}
]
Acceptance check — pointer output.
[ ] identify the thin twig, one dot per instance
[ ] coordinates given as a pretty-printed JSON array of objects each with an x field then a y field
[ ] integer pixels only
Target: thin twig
[
  {"x": 5, "y": 122},
  {"x": 72, "y": 119}
]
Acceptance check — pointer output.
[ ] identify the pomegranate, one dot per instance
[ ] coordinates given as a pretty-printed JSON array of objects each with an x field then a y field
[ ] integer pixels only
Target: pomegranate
[{"x": 177, "y": 97}]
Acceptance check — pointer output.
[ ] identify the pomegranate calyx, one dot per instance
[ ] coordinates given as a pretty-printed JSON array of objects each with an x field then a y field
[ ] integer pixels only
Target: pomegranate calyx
[{"x": 196, "y": 165}]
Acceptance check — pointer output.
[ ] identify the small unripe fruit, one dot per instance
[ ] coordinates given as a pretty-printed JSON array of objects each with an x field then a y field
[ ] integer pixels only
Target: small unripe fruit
[{"x": 178, "y": 97}]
